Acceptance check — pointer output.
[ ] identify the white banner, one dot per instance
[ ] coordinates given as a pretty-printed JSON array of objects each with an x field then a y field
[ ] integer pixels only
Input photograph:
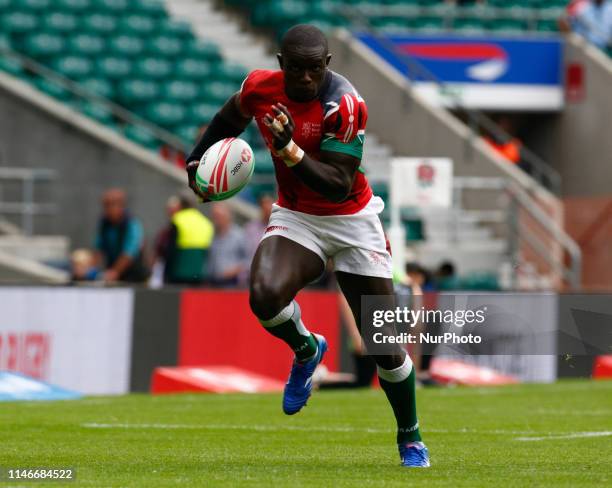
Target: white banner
[
  {"x": 77, "y": 339},
  {"x": 421, "y": 182}
]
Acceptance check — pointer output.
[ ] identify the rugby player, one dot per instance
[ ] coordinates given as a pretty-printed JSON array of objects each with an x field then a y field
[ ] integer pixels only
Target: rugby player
[{"x": 313, "y": 120}]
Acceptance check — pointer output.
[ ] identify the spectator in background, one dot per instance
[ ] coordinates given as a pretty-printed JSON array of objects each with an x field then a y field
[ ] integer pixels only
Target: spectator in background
[
  {"x": 255, "y": 229},
  {"x": 82, "y": 265},
  {"x": 591, "y": 19},
  {"x": 445, "y": 276},
  {"x": 183, "y": 245},
  {"x": 228, "y": 256},
  {"x": 506, "y": 144},
  {"x": 120, "y": 241}
]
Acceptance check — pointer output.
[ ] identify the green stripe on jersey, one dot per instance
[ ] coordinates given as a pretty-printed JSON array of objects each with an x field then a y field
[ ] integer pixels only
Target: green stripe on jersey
[{"x": 353, "y": 148}]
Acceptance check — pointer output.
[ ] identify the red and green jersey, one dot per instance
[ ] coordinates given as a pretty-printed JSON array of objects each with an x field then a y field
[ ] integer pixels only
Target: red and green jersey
[{"x": 334, "y": 121}]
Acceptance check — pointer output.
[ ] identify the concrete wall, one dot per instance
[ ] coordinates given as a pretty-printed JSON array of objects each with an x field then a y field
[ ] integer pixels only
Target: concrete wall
[
  {"x": 38, "y": 132},
  {"x": 578, "y": 142}
]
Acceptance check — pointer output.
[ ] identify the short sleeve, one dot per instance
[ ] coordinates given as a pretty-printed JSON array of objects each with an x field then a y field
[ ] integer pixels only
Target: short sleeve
[
  {"x": 247, "y": 92},
  {"x": 344, "y": 127}
]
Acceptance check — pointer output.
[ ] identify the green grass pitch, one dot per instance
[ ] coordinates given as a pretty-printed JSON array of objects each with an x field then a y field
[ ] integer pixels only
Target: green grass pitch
[{"x": 340, "y": 439}]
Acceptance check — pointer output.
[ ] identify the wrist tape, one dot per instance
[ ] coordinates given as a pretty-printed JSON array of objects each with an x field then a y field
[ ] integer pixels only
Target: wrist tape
[{"x": 292, "y": 154}]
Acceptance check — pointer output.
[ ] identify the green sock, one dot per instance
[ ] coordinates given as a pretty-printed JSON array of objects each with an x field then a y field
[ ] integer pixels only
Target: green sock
[
  {"x": 288, "y": 327},
  {"x": 401, "y": 393}
]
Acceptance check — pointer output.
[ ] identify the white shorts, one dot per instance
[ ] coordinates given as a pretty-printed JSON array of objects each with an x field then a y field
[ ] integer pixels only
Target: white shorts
[{"x": 356, "y": 243}]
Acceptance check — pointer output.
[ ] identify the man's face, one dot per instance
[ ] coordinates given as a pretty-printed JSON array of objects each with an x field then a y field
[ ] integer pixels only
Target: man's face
[
  {"x": 304, "y": 70},
  {"x": 113, "y": 208}
]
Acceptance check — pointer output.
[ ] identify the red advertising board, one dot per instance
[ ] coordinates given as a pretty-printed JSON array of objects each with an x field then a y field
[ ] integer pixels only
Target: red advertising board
[{"x": 218, "y": 328}]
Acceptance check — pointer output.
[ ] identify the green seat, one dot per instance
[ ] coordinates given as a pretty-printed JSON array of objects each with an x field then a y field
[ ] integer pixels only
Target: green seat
[
  {"x": 217, "y": 92},
  {"x": 73, "y": 67},
  {"x": 87, "y": 44},
  {"x": 115, "y": 7},
  {"x": 192, "y": 69},
  {"x": 134, "y": 91},
  {"x": 96, "y": 111},
  {"x": 183, "y": 91},
  {"x": 113, "y": 67},
  {"x": 34, "y": 6},
  {"x": 188, "y": 133},
  {"x": 230, "y": 72},
  {"x": 390, "y": 25},
  {"x": 508, "y": 4},
  {"x": 98, "y": 86},
  {"x": 547, "y": 25},
  {"x": 142, "y": 136},
  {"x": 74, "y": 6},
  {"x": 12, "y": 66},
  {"x": 5, "y": 41},
  {"x": 469, "y": 24},
  {"x": 43, "y": 45},
  {"x": 60, "y": 22},
  {"x": 175, "y": 28},
  {"x": 154, "y": 68},
  {"x": 52, "y": 88},
  {"x": 432, "y": 24},
  {"x": 202, "y": 113},
  {"x": 126, "y": 46},
  {"x": 151, "y": 8},
  {"x": 19, "y": 22},
  {"x": 5, "y": 4},
  {"x": 165, "y": 114},
  {"x": 100, "y": 24},
  {"x": 169, "y": 47},
  {"x": 137, "y": 25},
  {"x": 203, "y": 50},
  {"x": 508, "y": 26}
]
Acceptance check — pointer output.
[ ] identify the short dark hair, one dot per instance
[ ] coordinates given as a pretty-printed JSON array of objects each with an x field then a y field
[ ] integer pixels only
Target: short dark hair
[{"x": 305, "y": 36}]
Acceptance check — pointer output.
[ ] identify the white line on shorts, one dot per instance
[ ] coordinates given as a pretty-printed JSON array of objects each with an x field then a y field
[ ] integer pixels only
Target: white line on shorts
[{"x": 575, "y": 435}]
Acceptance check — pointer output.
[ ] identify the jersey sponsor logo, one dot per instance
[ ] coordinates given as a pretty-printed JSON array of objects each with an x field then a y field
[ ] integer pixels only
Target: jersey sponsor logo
[{"x": 311, "y": 129}]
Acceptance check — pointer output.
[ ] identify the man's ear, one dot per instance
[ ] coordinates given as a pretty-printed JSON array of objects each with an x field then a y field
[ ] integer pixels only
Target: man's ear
[
  {"x": 279, "y": 58},
  {"x": 328, "y": 59}
]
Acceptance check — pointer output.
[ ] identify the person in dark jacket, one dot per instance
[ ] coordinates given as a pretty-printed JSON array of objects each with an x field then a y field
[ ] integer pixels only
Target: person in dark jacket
[{"x": 120, "y": 241}]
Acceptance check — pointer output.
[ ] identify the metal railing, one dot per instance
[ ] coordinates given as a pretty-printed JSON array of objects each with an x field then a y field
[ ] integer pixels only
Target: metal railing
[
  {"x": 519, "y": 233},
  {"x": 27, "y": 208},
  {"x": 538, "y": 169}
]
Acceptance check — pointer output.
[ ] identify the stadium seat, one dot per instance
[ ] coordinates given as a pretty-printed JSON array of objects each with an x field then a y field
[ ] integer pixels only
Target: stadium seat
[
  {"x": 126, "y": 46},
  {"x": 19, "y": 22},
  {"x": 469, "y": 24},
  {"x": 203, "y": 50},
  {"x": 229, "y": 72},
  {"x": 99, "y": 86},
  {"x": 33, "y": 6},
  {"x": 60, "y": 23},
  {"x": 218, "y": 92},
  {"x": 188, "y": 133},
  {"x": 74, "y": 6},
  {"x": 53, "y": 89},
  {"x": 142, "y": 136},
  {"x": 433, "y": 24},
  {"x": 547, "y": 25},
  {"x": 202, "y": 113},
  {"x": 180, "y": 91},
  {"x": 166, "y": 114},
  {"x": 138, "y": 25},
  {"x": 114, "y": 6},
  {"x": 43, "y": 45},
  {"x": 113, "y": 67},
  {"x": 192, "y": 69},
  {"x": 153, "y": 68},
  {"x": 151, "y": 8},
  {"x": 174, "y": 28},
  {"x": 96, "y": 111},
  {"x": 134, "y": 91},
  {"x": 12, "y": 66},
  {"x": 87, "y": 44},
  {"x": 508, "y": 25},
  {"x": 73, "y": 67},
  {"x": 101, "y": 24},
  {"x": 165, "y": 46},
  {"x": 263, "y": 162}
]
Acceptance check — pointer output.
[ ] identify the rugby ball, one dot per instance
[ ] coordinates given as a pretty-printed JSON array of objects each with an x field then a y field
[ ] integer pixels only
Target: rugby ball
[{"x": 225, "y": 168}]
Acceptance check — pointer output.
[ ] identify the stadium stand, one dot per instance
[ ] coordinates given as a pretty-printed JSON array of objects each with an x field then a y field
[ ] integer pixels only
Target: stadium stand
[{"x": 129, "y": 52}]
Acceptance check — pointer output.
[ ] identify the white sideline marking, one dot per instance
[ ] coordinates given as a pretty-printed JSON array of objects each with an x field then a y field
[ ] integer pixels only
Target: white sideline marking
[
  {"x": 274, "y": 428},
  {"x": 575, "y": 435}
]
